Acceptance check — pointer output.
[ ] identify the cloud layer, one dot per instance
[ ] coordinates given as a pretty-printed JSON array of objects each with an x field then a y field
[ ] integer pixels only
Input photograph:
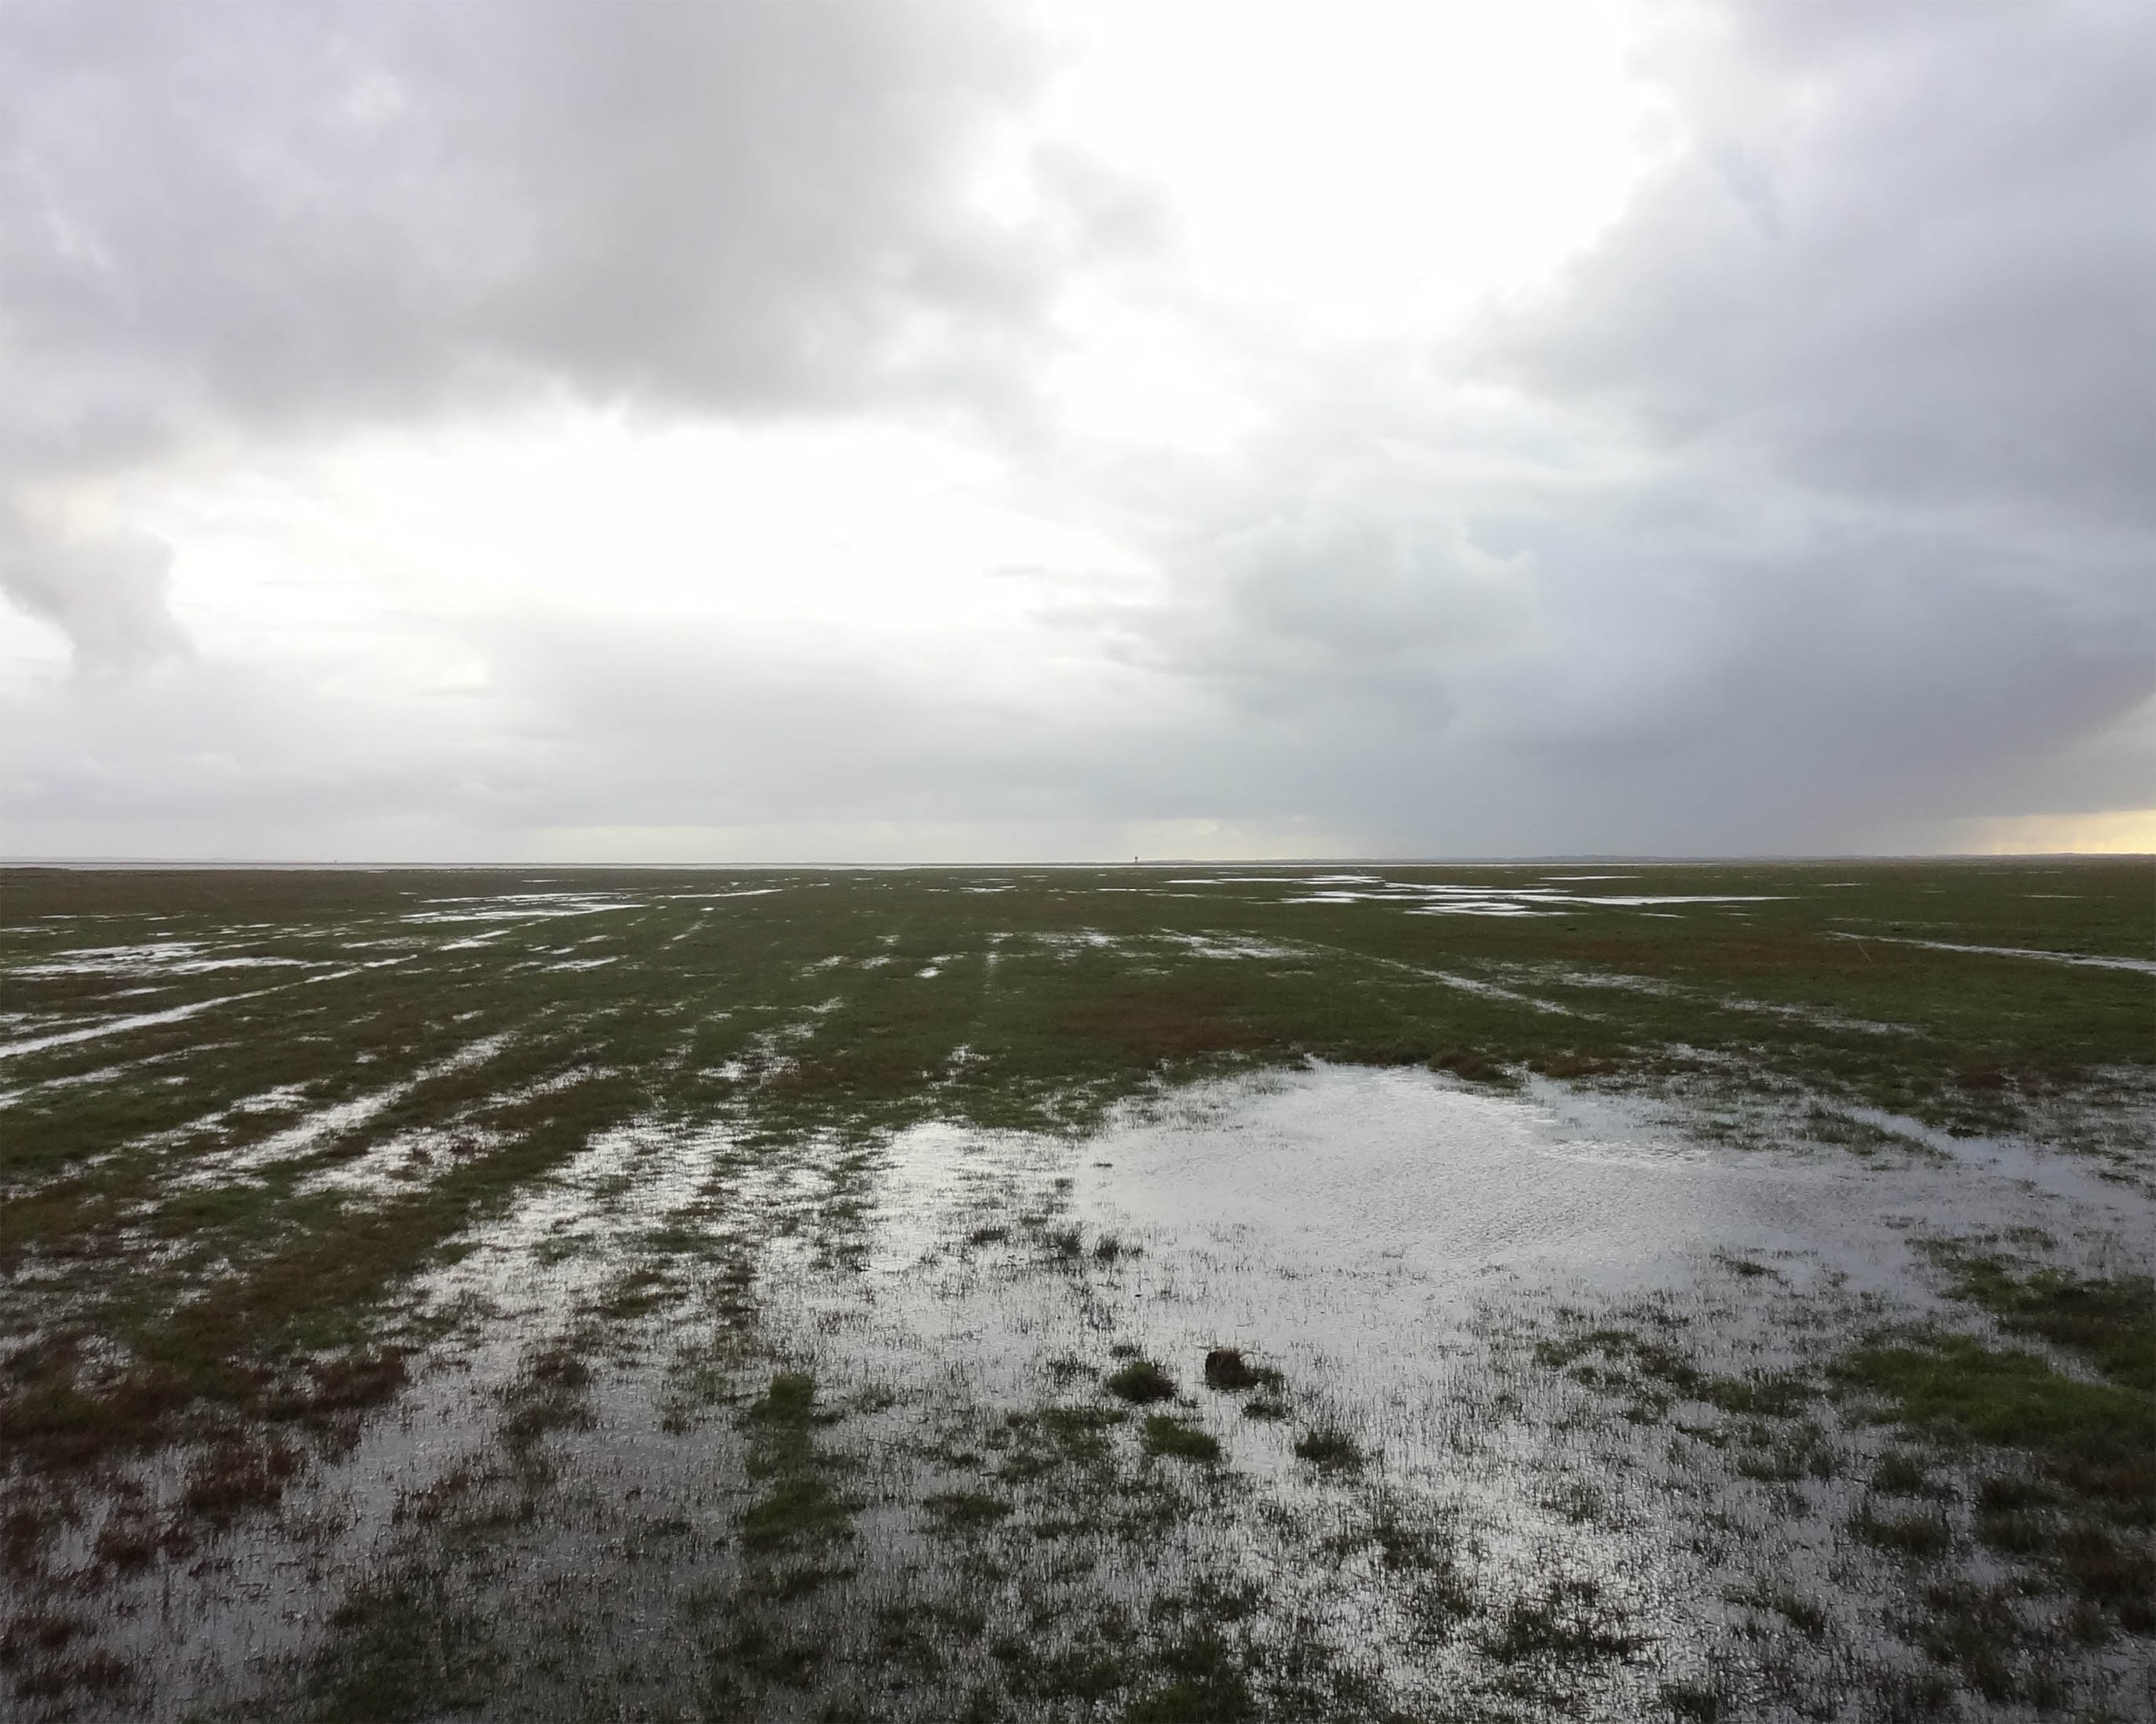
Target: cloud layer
[
  {"x": 306, "y": 217},
  {"x": 1804, "y": 508}
]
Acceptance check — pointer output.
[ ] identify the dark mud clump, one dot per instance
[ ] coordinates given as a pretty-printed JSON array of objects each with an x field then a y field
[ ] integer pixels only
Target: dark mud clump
[{"x": 1226, "y": 1369}]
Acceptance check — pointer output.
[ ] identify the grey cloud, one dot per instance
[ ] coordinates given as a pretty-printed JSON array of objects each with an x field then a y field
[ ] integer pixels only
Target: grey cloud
[
  {"x": 1809, "y": 507},
  {"x": 1820, "y": 502},
  {"x": 106, "y": 591},
  {"x": 1908, "y": 254},
  {"x": 300, "y": 215},
  {"x": 1690, "y": 654},
  {"x": 578, "y": 727},
  {"x": 624, "y": 723}
]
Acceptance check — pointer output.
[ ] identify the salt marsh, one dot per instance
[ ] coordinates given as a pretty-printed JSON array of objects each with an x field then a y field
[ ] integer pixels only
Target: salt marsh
[{"x": 1691, "y": 1293}]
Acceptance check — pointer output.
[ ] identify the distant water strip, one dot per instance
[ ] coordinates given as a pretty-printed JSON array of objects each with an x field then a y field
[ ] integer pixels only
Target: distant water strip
[
  {"x": 2140, "y": 966},
  {"x": 115, "y": 1026},
  {"x": 143, "y": 1020}
]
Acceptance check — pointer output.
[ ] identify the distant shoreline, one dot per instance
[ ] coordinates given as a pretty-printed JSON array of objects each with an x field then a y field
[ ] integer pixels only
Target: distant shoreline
[{"x": 241, "y": 864}]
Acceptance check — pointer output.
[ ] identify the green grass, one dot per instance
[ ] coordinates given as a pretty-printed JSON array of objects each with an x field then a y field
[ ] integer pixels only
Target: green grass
[
  {"x": 1206, "y": 1685},
  {"x": 1570, "y": 1622},
  {"x": 1920, "y": 1533},
  {"x": 2093, "y": 1443},
  {"x": 100, "y": 1140},
  {"x": 960, "y": 1512},
  {"x": 1054, "y": 1439},
  {"x": 801, "y": 1504},
  {"x": 1166, "y": 1434},
  {"x": 1800, "y": 1612},
  {"x": 1900, "y": 1473},
  {"x": 405, "y": 1649},
  {"x": 1141, "y": 1381},
  {"x": 2055, "y": 1458},
  {"x": 1330, "y": 1449},
  {"x": 2109, "y": 1321},
  {"x": 158, "y": 1293},
  {"x": 1954, "y": 1383}
]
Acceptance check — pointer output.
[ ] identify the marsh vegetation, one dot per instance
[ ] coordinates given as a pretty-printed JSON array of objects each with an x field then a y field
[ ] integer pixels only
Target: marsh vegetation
[{"x": 1492, "y": 1293}]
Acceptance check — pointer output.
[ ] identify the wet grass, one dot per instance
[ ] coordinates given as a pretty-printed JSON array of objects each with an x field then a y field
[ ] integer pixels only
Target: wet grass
[
  {"x": 2004, "y": 1457},
  {"x": 2092, "y": 1444},
  {"x": 1569, "y": 1622},
  {"x": 1168, "y": 1435},
  {"x": 1204, "y": 1686},
  {"x": 404, "y": 1649},
  {"x": 1955, "y": 1384},
  {"x": 1141, "y": 1382},
  {"x": 1785, "y": 1601},
  {"x": 1330, "y": 1449},
  {"x": 2110, "y": 1320},
  {"x": 801, "y": 1504},
  {"x": 212, "y": 1226}
]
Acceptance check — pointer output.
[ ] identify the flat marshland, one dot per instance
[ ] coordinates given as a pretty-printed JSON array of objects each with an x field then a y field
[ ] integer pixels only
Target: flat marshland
[{"x": 1615, "y": 1291}]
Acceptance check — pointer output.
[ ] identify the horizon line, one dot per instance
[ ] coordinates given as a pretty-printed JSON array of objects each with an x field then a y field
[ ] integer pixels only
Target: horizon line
[{"x": 1668, "y": 859}]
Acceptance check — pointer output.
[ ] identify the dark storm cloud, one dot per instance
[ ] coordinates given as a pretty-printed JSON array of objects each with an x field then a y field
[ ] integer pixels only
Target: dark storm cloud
[
  {"x": 1821, "y": 503},
  {"x": 306, "y": 215},
  {"x": 1908, "y": 254}
]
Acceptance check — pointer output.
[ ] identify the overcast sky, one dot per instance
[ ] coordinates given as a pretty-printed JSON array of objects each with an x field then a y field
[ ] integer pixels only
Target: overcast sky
[{"x": 775, "y": 430}]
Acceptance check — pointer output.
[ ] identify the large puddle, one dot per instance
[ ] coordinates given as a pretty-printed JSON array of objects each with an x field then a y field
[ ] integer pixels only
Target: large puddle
[{"x": 1382, "y": 1239}]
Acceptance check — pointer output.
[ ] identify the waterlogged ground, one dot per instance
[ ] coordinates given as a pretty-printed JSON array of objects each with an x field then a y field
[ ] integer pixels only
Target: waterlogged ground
[{"x": 1613, "y": 1292}]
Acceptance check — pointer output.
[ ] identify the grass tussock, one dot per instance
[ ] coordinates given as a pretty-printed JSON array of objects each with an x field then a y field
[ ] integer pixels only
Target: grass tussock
[
  {"x": 1330, "y": 1449},
  {"x": 1141, "y": 1382},
  {"x": 1164, "y": 1434}
]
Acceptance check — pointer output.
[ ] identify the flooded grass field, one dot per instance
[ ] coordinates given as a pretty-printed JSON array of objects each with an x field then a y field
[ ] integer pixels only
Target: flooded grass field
[{"x": 1613, "y": 1292}]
